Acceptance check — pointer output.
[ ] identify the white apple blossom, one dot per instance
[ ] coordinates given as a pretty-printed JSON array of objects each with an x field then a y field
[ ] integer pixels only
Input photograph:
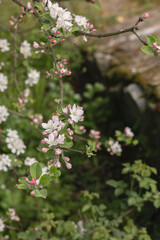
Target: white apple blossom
[
  {"x": 29, "y": 161},
  {"x": 4, "y": 45},
  {"x": 128, "y": 132},
  {"x": 3, "y": 82},
  {"x": 33, "y": 77},
  {"x": 61, "y": 138},
  {"x": 81, "y": 21},
  {"x": 3, "y": 114},
  {"x": 14, "y": 143},
  {"x": 5, "y": 162},
  {"x": 50, "y": 126},
  {"x": 2, "y": 226},
  {"x": 76, "y": 113},
  {"x": 115, "y": 147},
  {"x": 50, "y": 140},
  {"x": 25, "y": 49}
]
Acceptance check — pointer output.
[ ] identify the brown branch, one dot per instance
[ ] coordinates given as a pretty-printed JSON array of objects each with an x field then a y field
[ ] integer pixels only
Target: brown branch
[
  {"x": 12, "y": 228},
  {"x": 18, "y": 114}
]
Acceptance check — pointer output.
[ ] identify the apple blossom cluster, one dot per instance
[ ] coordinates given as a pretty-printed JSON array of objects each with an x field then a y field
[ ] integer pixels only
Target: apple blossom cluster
[
  {"x": 36, "y": 119},
  {"x": 3, "y": 82},
  {"x": 128, "y": 132},
  {"x": 4, "y": 45},
  {"x": 25, "y": 49},
  {"x": 95, "y": 135},
  {"x": 65, "y": 20},
  {"x": 33, "y": 77},
  {"x": 5, "y": 162},
  {"x": 55, "y": 139},
  {"x": 114, "y": 147},
  {"x": 2, "y": 226},
  {"x": 12, "y": 215},
  {"x": 40, "y": 48},
  {"x": 14, "y": 143}
]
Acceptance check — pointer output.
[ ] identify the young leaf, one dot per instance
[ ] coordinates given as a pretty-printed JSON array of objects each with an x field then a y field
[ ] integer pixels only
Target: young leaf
[
  {"x": 147, "y": 50},
  {"x": 35, "y": 170}
]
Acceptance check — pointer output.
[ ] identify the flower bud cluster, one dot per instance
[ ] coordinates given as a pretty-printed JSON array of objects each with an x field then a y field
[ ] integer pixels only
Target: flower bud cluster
[
  {"x": 61, "y": 69},
  {"x": 36, "y": 119},
  {"x": 95, "y": 135}
]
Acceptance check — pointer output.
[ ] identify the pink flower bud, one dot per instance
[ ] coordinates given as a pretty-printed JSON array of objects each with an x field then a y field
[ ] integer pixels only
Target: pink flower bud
[
  {"x": 67, "y": 159},
  {"x": 42, "y": 43},
  {"x": 94, "y": 30},
  {"x": 25, "y": 178},
  {"x": 42, "y": 51},
  {"x": 50, "y": 36},
  {"x": 21, "y": 16},
  {"x": 55, "y": 72},
  {"x": 44, "y": 150},
  {"x": 146, "y": 15},
  {"x": 62, "y": 40},
  {"x": 158, "y": 51},
  {"x": 29, "y": 6},
  {"x": 20, "y": 101},
  {"x": 42, "y": 141},
  {"x": 36, "y": 228},
  {"x": 31, "y": 11},
  {"x": 58, "y": 151},
  {"x": 35, "y": 45},
  {"x": 69, "y": 106},
  {"x": 69, "y": 165},
  {"x": 57, "y": 32},
  {"x": 60, "y": 76},
  {"x": 69, "y": 73},
  {"x": 31, "y": 193},
  {"x": 91, "y": 26}
]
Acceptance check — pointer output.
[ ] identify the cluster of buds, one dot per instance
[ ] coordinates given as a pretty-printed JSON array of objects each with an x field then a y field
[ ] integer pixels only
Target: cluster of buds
[
  {"x": 82, "y": 129},
  {"x": 94, "y": 135},
  {"x": 25, "y": 97},
  {"x": 40, "y": 48},
  {"x": 61, "y": 69},
  {"x": 36, "y": 118},
  {"x": 156, "y": 47}
]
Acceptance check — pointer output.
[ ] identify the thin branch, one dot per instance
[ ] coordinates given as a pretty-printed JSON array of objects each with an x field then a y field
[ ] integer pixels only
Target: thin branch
[
  {"x": 18, "y": 114},
  {"x": 60, "y": 79},
  {"x": 15, "y": 64},
  {"x": 12, "y": 228},
  {"x": 74, "y": 150}
]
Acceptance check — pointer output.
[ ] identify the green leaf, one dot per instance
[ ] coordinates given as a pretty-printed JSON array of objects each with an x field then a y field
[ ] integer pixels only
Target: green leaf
[
  {"x": 21, "y": 180},
  {"x": 86, "y": 207},
  {"x": 67, "y": 143},
  {"x": 46, "y": 26},
  {"x": 147, "y": 50},
  {"x": 75, "y": 28},
  {"x": 112, "y": 183},
  {"x": 152, "y": 39},
  {"x": 22, "y": 186},
  {"x": 47, "y": 17},
  {"x": 41, "y": 193},
  {"x": 35, "y": 170},
  {"x": 118, "y": 192},
  {"x": 39, "y": 6},
  {"x": 97, "y": 5},
  {"x": 45, "y": 179}
]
